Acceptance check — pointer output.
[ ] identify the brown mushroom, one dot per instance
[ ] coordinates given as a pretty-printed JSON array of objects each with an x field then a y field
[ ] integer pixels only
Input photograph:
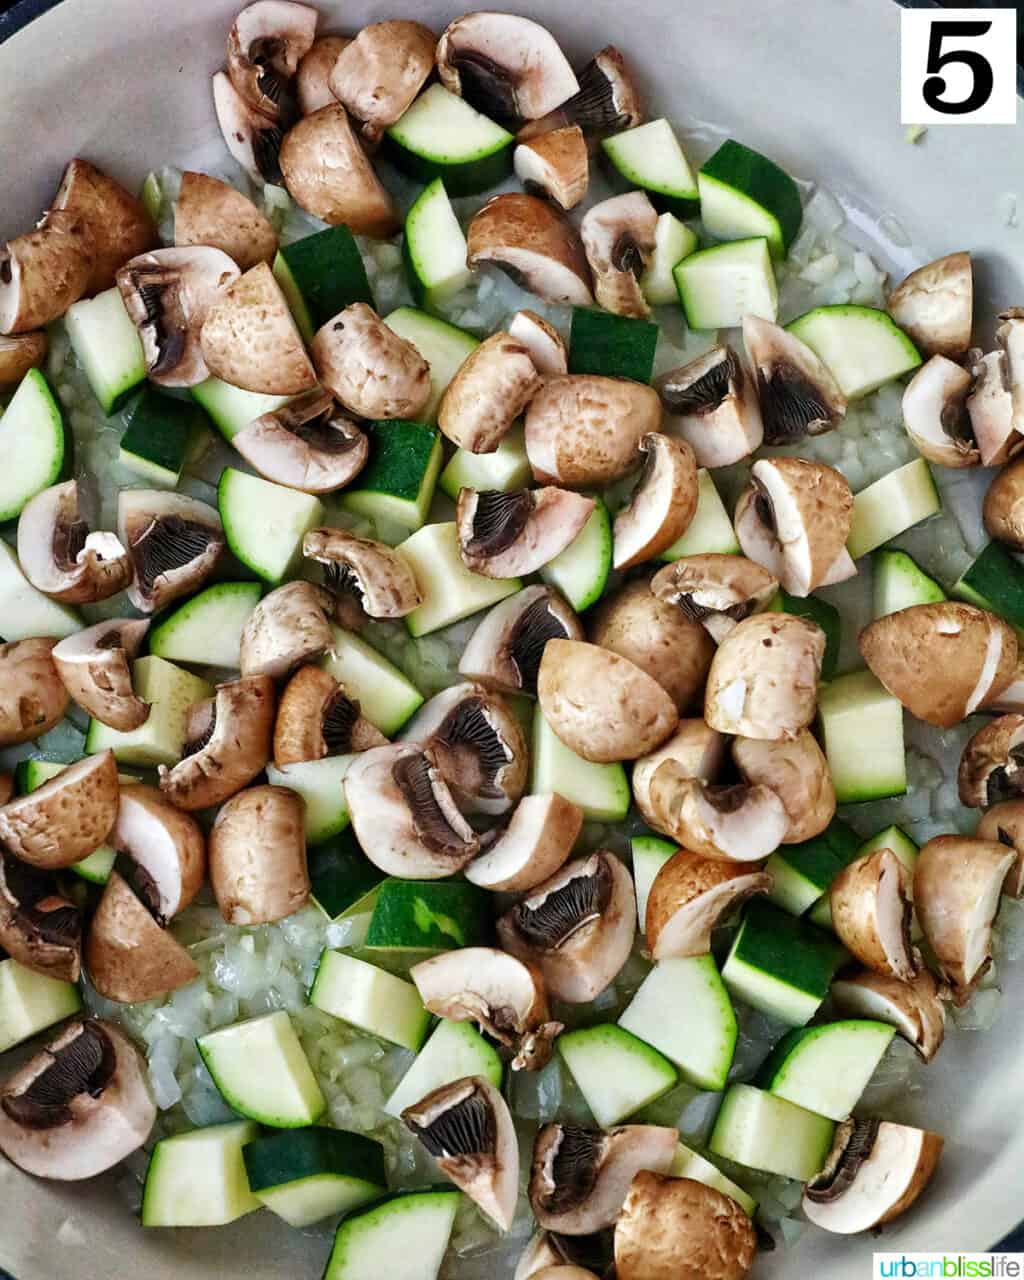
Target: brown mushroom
[
  {"x": 161, "y": 852},
  {"x": 266, "y": 43},
  {"x": 715, "y": 407},
  {"x": 618, "y": 239},
  {"x": 690, "y": 897},
  {"x": 1003, "y": 508},
  {"x": 798, "y": 394},
  {"x": 693, "y": 751},
  {"x": 21, "y": 353},
  {"x": 65, "y": 819},
  {"x": 289, "y": 626},
  {"x": 208, "y": 211},
  {"x": 914, "y": 1008},
  {"x": 95, "y": 666},
  {"x": 306, "y": 444},
  {"x": 542, "y": 341},
  {"x": 258, "y": 856},
  {"x": 317, "y": 718},
  {"x": 661, "y": 506},
  {"x": 313, "y": 78},
  {"x": 607, "y": 101},
  {"x": 43, "y": 272},
  {"x": 32, "y": 697},
  {"x": 129, "y": 956},
  {"x": 555, "y": 165},
  {"x": 6, "y": 787},
  {"x": 934, "y": 305},
  {"x": 505, "y": 650},
  {"x": 718, "y": 591},
  {"x": 174, "y": 541},
  {"x": 990, "y": 766},
  {"x": 118, "y": 224},
  {"x": 39, "y": 927},
  {"x": 490, "y": 390},
  {"x": 379, "y": 73},
  {"x": 371, "y": 370},
  {"x": 1004, "y": 823},
  {"x": 871, "y": 912},
  {"x": 935, "y": 414},
  {"x": 735, "y": 822},
  {"x": 797, "y": 771},
  {"x": 531, "y": 242},
  {"x": 61, "y": 556},
  {"x": 252, "y": 138},
  {"x": 513, "y": 533},
  {"x": 534, "y": 845},
  {"x": 367, "y": 578}
]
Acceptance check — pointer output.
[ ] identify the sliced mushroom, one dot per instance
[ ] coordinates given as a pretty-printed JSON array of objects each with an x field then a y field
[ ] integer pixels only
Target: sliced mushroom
[
  {"x": 584, "y": 430},
  {"x": 874, "y": 1173},
  {"x": 581, "y": 1177},
  {"x": 379, "y": 73},
  {"x": 509, "y": 534},
  {"x": 531, "y": 242},
  {"x": 492, "y": 387},
  {"x": 793, "y": 519},
  {"x": 715, "y": 406},
  {"x": 227, "y": 744},
  {"x": 661, "y": 506},
  {"x": 555, "y": 165},
  {"x": 1004, "y": 822},
  {"x": 601, "y": 705},
  {"x": 21, "y": 353},
  {"x": 536, "y": 843},
  {"x": 577, "y": 926},
  {"x": 168, "y": 294},
  {"x": 991, "y": 763},
  {"x": 503, "y": 995},
  {"x": 174, "y": 542},
  {"x": 60, "y": 556},
  {"x": 317, "y": 718},
  {"x": 404, "y": 816},
  {"x": 1003, "y": 508},
  {"x": 689, "y": 899},
  {"x": 467, "y": 1127},
  {"x": 679, "y": 1229},
  {"x": 797, "y": 771},
  {"x": 935, "y": 414},
  {"x": 313, "y": 78},
  {"x": 506, "y": 648},
  {"x": 129, "y": 956},
  {"x": 914, "y": 1008},
  {"x": 798, "y": 394},
  {"x": 43, "y": 272},
  {"x": 717, "y": 591},
  {"x": 65, "y": 819},
  {"x": 957, "y": 884},
  {"x": 871, "y": 902},
  {"x": 307, "y": 444},
  {"x": 935, "y": 304},
  {"x": 161, "y": 852},
  {"x": 368, "y": 367},
  {"x": 368, "y": 578},
  {"x": 508, "y": 67},
  {"x": 208, "y": 211},
  {"x": 942, "y": 661},
  {"x": 329, "y": 175},
  {"x": 95, "y": 666},
  {"x": 694, "y": 751},
  {"x": 266, "y": 43},
  {"x": 288, "y": 627},
  {"x": 735, "y": 822},
  {"x": 477, "y": 745},
  {"x": 618, "y": 239},
  {"x": 258, "y": 856},
  {"x": 118, "y": 224},
  {"x": 763, "y": 681},
  {"x": 32, "y": 697},
  {"x": 252, "y": 139},
  {"x": 990, "y": 409},
  {"x": 79, "y": 1106},
  {"x": 542, "y": 341},
  {"x": 39, "y": 927},
  {"x": 607, "y": 100}
]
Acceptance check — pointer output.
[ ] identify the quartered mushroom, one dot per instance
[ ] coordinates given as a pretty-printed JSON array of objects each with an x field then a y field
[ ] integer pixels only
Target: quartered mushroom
[
  {"x": 79, "y": 1106},
  {"x": 793, "y": 519},
  {"x": 21, "y": 353},
  {"x": 915, "y": 1008},
  {"x": 555, "y": 165},
  {"x": 468, "y": 1129},
  {"x": 874, "y": 1173},
  {"x": 129, "y": 955},
  {"x": 992, "y": 763},
  {"x": 161, "y": 852},
  {"x": 313, "y": 78},
  {"x": 503, "y": 995},
  {"x": 618, "y": 239},
  {"x": 601, "y": 705},
  {"x": 65, "y": 819},
  {"x": 379, "y": 73},
  {"x": 1003, "y": 508},
  {"x": 691, "y": 895},
  {"x": 168, "y": 294},
  {"x": 174, "y": 542},
  {"x": 541, "y": 339},
  {"x": 871, "y": 902},
  {"x": 718, "y": 591},
  {"x": 505, "y": 650},
  {"x": 371, "y": 370},
  {"x": 491, "y": 388},
  {"x": 763, "y": 681},
  {"x": 549, "y": 1256},
  {"x": 209, "y": 211},
  {"x": 580, "y": 1178},
  {"x": 661, "y": 506},
  {"x": 32, "y": 696},
  {"x": 258, "y": 856},
  {"x": 266, "y": 43},
  {"x": 404, "y": 815},
  {"x": 61, "y": 556},
  {"x": 1010, "y": 337},
  {"x": 95, "y": 666},
  {"x": 44, "y": 271},
  {"x": 477, "y": 745},
  {"x": 1010, "y": 698},
  {"x": 934, "y": 305},
  {"x": 317, "y": 718},
  {"x": 119, "y": 226},
  {"x": 367, "y": 578},
  {"x": 693, "y": 751},
  {"x": 39, "y": 927},
  {"x": 534, "y": 244},
  {"x": 306, "y": 444},
  {"x": 227, "y": 744},
  {"x": 797, "y": 771},
  {"x": 715, "y": 407},
  {"x": 994, "y": 424},
  {"x": 512, "y": 533},
  {"x": 252, "y": 138},
  {"x": 534, "y": 845},
  {"x": 798, "y": 395},
  {"x": 1004, "y": 822},
  {"x": 290, "y": 626},
  {"x": 577, "y": 927},
  {"x": 942, "y": 661},
  {"x": 737, "y": 822},
  {"x": 607, "y": 101},
  {"x": 509, "y": 68},
  {"x": 584, "y": 430},
  {"x": 935, "y": 414},
  {"x": 957, "y": 885}
]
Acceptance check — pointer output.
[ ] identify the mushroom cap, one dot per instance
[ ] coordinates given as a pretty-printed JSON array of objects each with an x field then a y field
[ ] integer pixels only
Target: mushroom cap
[
  {"x": 990, "y": 408},
  {"x": 542, "y": 340},
  {"x": 1003, "y": 508},
  {"x": 584, "y": 430},
  {"x": 32, "y": 697},
  {"x": 934, "y": 305},
  {"x": 798, "y": 394},
  {"x": 714, "y": 406},
  {"x": 661, "y": 506},
  {"x": 258, "y": 856},
  {"x": 252, "y": 138},
  {"x": 871, "y": 910},
  {"x": 935, "y": 414},
  {"x": 914, "y": 1008},
  {"x": 1004, "y": 822},
  {"x": 555, "y": 165},
  {"x": 695, "y": 750},
  {"x": 208, "y": 211},
  {"x": 534, "y": 845},
  {"x": 534, "y": 244},
  {"x": 128, "y": 956},
  {"x": 737, "y": 823},
  {"x": 95, "y": 666},
  {"x": 577, "y": 927},
  {"x": 162, "y": 851},
  {"x": 306, "y": 444},
  {"x": 312, "y": 79},
  {"x": 505, "y": 650},
  {"x": 79, "y": 1106},
  {"x": 797, "y": 771},
  {"x": 329, "y": 175},
  {"x": 118, "y": 224},
  {"x": 658, "y": 638},
  {"x": 763, "y": 681},
  {"x": 942, "y": 661},
  {"x": 510, "y": 534},
  {"x": 957, "y": 884},
  {"x": 266, "y": 43},
  {"x": 601, "y": 705},
  {"x": 715, "y": 590},
  {"x": 618, "y": 239},
  {"x": 368, "y": 367},
  {"x": 38, "y": 927},
  {"x": 690, "y": 897},
  {"x": 379, "y": 73},
  {"x": 316, "y": 718},
  {"x": 380, "y": 580},
  {"x": 65, "y": 819},
  {"x": 20, "y": 353},
  {"x": 60, "y": 556},
  {"x": 174, "y": 541},
  {"x": 490, "y": 390},
  {"x": 990, "y": 764},
  {"x": 679, "y": 1229},
  {"x": 289, "y": 626},
  {"x": 44, "y": 271}
]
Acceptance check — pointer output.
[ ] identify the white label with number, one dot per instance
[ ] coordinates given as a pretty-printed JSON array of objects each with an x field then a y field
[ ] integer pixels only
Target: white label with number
[{"x": 958, "y": 66}]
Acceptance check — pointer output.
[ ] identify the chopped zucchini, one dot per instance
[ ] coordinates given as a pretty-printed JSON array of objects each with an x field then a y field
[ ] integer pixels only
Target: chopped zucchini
[
  {"x": 442, "y": 345},
  {"x": 650, "y": 853},
  {"x": 385, "y": 696},
  {"x": 320, "y": 783},
  {"x": 899, "y": 582},
  {"x": 400, "y": 475},
  {"x": 600, "y": 790},
  {"x": 826, "y": 1069},
  {"x": 309, "y": 1174},
  {"x": 759, "y": 1130},
  {"x": 995, "y": 581},
  {"x": 404, "y": 1238},
  {"x": 264, "y": 523},
  {"x": 862, "y": 347},
  {"x": 615, "y": 346},
  {"x": 24, "y": 610},
  {"x": 862, "y": 729},
  {"x": 30, "y": 1002},
  {"x": 688, "y": 1164},
  {"x": 160, "y": 739},
  {"x": 616, "y": 1073},
  {"x": 207, "y": 629},
  {"x": 283, "y": 1093},
  {"x": 650, "y": 157},
  {"x": 580, "y": 572},
  {"x": 892, "y": 505},
  {"x": 343, "y": 880},
  {"x": 32, "y": 444},
  {"x": 710, "y": 531},
  {"x": 426, "y": 917},
  {"x": 673, "y": 241},
  {"x": 822, "y": 614},
  {"x": 321, "y": 275},
  {"x": 720, "y": 285},
  {"x": 450, "y": 591},
  {"x": 198, "y": 1179},
  {"x": 158, "y": 434},
  {"x": 506, "y": 468},
  {"x": 108, "y": 347},
  {"x": 434, "y": 248},
  {"x": 803, "y": 872},
  {"x": 230, "y": 408},
  {"x": 371, "y": 999},
  {"x": 743, "y": 194},
  {"x": 442, "y": 136},
  {"x": 455, "y": 1050}
]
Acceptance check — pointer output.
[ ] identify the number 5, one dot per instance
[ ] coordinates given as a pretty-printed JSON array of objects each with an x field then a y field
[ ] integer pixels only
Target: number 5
[{"x": 980, "y": 68}]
